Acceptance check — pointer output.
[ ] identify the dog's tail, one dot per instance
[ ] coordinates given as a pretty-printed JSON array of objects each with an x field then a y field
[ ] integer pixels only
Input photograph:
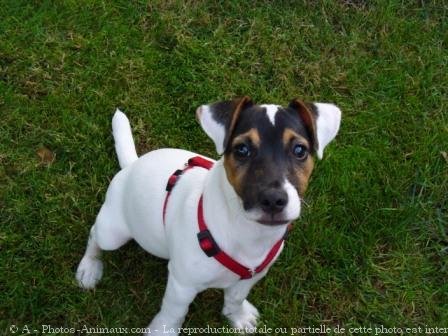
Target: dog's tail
[{"x": 124, "y": 143}]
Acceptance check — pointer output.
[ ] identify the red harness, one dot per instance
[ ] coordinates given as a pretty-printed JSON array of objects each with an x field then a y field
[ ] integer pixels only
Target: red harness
[{"x": 205, "y": 238}]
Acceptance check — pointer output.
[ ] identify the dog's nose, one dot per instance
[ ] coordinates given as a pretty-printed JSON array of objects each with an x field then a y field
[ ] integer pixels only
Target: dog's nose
[{"x": 273, "y": 200}]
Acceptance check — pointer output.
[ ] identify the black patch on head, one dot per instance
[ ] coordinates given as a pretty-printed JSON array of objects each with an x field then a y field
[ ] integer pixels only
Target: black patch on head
[
  {"x": 222, "y": 112},
  {"x": 301, "y": 128},
  {"x": 313, "y": 109},
  {"x": 272, "y": 161},
  {"x": 225, "y": 112},
  {"x": 256, "y": 117},
  {"x": 308, "y": 117}
]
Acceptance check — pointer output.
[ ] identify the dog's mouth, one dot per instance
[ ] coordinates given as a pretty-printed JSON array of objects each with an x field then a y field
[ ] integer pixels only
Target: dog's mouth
[
  {"x": 272, "y": 221},
  {"x": 268, "y": 219}
]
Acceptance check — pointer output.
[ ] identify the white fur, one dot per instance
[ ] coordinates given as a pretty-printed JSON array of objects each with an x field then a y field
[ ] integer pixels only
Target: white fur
[
  {"x": 124, "y": 144},
  {"x": 328, "y": 122},
  {"x": 90, "y": 269},
  {"x": 271, "y": 111},
  {"x": 133, "y": 210},
  {"x": 214, "y": 130},
  {"x": 292, "y": 209},
  {"x": 242, "y": 316}
]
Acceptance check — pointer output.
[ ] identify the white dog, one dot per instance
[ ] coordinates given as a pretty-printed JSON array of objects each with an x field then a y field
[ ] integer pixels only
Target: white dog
[{"x": 220, "y": 224}]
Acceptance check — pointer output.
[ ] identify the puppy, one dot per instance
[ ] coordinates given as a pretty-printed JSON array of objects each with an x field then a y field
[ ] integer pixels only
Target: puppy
[{"x": 220, "y": 224}]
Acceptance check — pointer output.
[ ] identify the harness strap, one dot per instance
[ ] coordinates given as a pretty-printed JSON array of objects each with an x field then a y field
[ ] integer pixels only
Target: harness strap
[
  {"x": 211, "y": 249},
  {"x": 205, "y": 238},
  {"x": 196, "y": 161}
]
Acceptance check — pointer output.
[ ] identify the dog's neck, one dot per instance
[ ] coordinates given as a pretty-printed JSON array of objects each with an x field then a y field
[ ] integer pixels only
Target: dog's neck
[{"x": 234, "y": 232}]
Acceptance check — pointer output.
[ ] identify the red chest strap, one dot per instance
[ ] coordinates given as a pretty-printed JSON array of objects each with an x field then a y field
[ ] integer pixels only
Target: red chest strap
[
  {"x": 211, "y": 249},
  {"x": 196, "y": 161},
  {"x": 205, "y": 238}
]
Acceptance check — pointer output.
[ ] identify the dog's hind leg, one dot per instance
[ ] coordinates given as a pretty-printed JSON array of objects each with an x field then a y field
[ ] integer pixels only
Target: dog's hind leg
[
  {"x": 90, "y": 268},
  {"x": 106, "y": 234}
]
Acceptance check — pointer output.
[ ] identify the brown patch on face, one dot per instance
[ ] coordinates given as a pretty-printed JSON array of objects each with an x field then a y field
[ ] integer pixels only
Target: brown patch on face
[
  {"x": 289, "y": 136},
  {"x": 252, "y": 136},
  {"x": 303, "y": 174},
  {"x": 235, "y": 170},
  {"x": 235, "y": 173},
  {"x": 302, "y": 169}
]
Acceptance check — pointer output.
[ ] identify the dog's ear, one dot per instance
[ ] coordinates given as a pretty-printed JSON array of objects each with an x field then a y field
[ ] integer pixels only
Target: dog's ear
[
  {"x": 218, "y": 120},
  {"x": 321, "y": 120}
]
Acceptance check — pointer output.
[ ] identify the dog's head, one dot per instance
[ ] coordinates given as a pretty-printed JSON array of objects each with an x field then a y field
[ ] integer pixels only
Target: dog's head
[{"x": 268, "y": 151}]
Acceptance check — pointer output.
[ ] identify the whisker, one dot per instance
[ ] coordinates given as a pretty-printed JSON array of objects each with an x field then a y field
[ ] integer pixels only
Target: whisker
[{"x": 305, "y": 202}]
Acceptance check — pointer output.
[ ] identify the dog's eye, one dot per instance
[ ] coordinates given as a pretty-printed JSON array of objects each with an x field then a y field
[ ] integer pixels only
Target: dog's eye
[
  {"x": 300, "y": 151},
  {"x": 242, "y": 151}
]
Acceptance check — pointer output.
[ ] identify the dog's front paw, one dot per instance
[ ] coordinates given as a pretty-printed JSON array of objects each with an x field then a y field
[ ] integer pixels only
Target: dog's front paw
[
  {"x": 89, "y": 272},
  {"x": 162, "y": 325},
  {"x": 243, "y": 317}
]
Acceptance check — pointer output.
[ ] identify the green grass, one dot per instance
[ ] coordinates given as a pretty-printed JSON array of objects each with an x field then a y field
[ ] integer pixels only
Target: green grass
[{"x": 371, "y": 246}]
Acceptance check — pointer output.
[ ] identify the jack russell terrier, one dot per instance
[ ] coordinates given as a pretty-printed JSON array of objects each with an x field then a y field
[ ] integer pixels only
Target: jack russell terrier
[{"x": 221, "y": 224}]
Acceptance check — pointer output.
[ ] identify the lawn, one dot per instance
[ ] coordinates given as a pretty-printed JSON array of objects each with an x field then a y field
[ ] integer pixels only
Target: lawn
[{"x": 371, "y": 247}]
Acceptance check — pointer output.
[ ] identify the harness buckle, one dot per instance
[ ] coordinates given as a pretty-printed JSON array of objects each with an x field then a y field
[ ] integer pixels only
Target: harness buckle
[
  {"x": 207, "y": 243},
  {"x": 173, "y": 179}
]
